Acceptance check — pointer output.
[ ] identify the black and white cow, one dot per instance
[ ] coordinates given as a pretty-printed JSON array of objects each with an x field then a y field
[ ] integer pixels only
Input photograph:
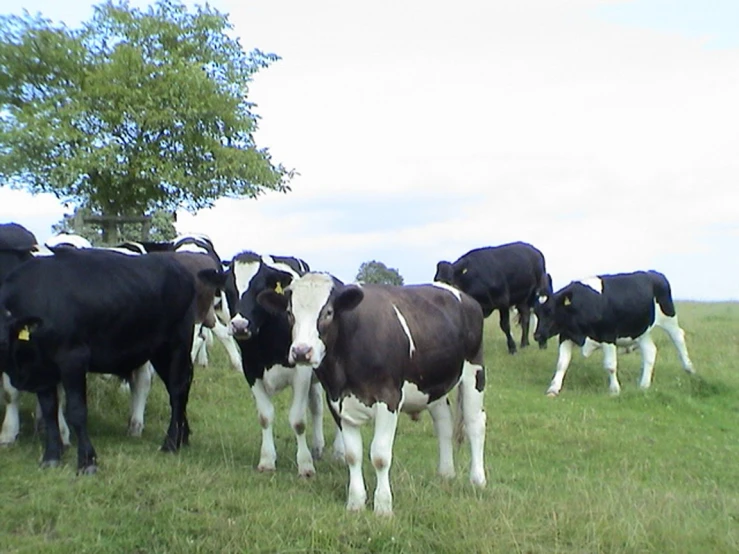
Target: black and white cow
[
  {"x": 380, "y": 349},
  {"x": 609, "y": 311},
  {"x": 82, "y": 311},
  {"x": 500, "y": 278},
  {"x": 264, "y": 341},
  {"x": 201, "y": 244}
]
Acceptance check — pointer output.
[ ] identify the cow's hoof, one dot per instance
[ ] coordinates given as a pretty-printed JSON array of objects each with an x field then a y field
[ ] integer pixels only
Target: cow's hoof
[
  {"x": 265, "y": 468},
  {"x": 135, "y": 429},
  {"x": 316, "y": 453},
  {"x": 307, "y": 473},
  {"x": 8, "y": 441},
  {"x": 169, "y": 447},
  {"x": 50, "y": 464},
  {"x": 88, "y": 470},
  {"x": 552, "y": 393}
]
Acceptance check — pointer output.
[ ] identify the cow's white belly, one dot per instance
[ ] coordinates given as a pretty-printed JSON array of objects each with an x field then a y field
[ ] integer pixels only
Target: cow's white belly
[
  {"x": 414, "y": 400},
  {"x": 356, "y": 412},
  {"x": 277, "y": 378}
]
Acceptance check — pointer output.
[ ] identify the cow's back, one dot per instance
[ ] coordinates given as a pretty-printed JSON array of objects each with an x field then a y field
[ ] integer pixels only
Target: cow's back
[{"x": 105, "y": 300}]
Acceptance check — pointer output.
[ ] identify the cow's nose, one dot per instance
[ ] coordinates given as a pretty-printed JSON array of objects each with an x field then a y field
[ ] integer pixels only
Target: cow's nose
[
  {"x": 240, "y": 328},
  {"x": 301, "y": 352}
]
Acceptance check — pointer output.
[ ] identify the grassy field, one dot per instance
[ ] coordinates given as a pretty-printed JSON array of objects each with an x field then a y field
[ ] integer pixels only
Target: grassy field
[{"x": 654, "y": 471}]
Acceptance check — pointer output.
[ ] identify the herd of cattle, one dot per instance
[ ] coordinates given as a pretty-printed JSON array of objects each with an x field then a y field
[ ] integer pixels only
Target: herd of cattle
[{"x": 67, "y": 309}]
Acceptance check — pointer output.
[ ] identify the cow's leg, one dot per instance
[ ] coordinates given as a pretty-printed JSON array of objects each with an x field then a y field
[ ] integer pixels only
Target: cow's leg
[
  {"x": 563, "y": 362},
  {"x": 381, "y": 454},
  {"x": 49, "y": 402},
  {"x": 648, "y": 356},
  {"x": 471, "y": 405},
  {"x": 339, "y": 451},
  {"x": 12, "y": 422},
  {"x": 199, "y": 351},
  {"x": 315, "y": 405},
  {"x": 63, "y": 428},
  {"x": 298, "y": 411},
  {"x": 75, "y": 387},
  {"x": 352, "y": 438},
  {"x": 266, "y": 411},
  {"x": 229, "y": 343},
  {"x": 505, "y": 325},
  {"x": 610, "y": 363},
  {"x": 140, "y": 387},
  {"x": 441, "y": 415},
  {"x": 174, "y": 366},
  {"x": 524, "y": 314},
  {"x": 677, "y": 335}
]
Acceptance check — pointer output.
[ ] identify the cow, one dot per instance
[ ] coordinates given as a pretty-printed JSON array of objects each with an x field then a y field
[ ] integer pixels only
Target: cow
[
  {"x": 607, "y": 311},
  {"x": 17, "y": 245},
  {"x": 501, "y": 278},
  {"x": 381, "y": 349},
  {"x": 264, "y": 340},
  {"x": 89, "y": 310}
]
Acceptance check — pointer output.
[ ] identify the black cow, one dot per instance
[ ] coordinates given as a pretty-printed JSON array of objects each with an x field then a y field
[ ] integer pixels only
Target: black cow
[
  {"x": 606, "y": 311},
  {"x": 264, "y": 341},
  {"x": 499, "y": 278},
  {"x": 17, "y": 245},
  {"x": 380, "y": 349},
  {"x": 83, "y": 311}
]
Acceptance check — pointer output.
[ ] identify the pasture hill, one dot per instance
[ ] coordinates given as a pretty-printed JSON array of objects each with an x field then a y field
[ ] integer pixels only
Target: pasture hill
[{"x": 647, "y": 471}]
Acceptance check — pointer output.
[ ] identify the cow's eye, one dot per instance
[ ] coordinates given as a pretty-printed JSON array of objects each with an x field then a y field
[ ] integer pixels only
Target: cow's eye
[{"x": 328, "y": 314}]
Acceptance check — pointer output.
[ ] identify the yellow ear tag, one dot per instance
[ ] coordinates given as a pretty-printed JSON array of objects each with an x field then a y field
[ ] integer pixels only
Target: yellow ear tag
[
  {"x": 567, "y": 301},
  {"x": 278, "y": 288},
  {"x": 464, "y": 271},
  {"x": 24, "y": 334}
]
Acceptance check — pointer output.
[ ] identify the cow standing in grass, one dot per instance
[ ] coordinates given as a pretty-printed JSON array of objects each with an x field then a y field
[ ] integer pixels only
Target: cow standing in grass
[
  {"x": 501, "y": 278},
  {"x": 87, "y": 310},
  {"x": 378, "y": 350},
  {"x": 264, "y": 340},
  {"x": 17, "y": 245},
  {"x": 609, "y": 311}
]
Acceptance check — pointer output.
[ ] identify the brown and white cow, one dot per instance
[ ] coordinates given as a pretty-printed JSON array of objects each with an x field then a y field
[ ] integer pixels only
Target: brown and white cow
[{"x": 378, "y": 350}]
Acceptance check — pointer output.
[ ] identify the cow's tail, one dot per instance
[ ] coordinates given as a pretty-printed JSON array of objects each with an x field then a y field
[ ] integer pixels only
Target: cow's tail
[
  {"x": 459, "y": 431},
  {"x": 662, "y": 293}
]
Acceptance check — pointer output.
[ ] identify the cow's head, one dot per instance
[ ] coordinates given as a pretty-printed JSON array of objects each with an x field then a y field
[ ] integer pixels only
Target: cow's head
[
  {"x": 20, "y": 355},
  {"x": 250, "y": 277},
  {"x": 558, "y": 313},
  {"x": 314, "y": 304},
  {"x": 487, "y": 287},
  {"x": 444, "y": 273}
]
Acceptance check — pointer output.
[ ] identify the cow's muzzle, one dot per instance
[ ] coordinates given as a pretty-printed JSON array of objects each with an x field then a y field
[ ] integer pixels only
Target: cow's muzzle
[
  {"x": 301, "y": 353},
  {"x": 239, "y": 328}
]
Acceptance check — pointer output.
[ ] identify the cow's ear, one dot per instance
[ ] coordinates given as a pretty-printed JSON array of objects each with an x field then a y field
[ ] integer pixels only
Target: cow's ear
[
  {"x": 444, "y": 273},
  {"x": 23, "y": 328},
  {"x": 279, "y": 282},
  {"x": 566, "y": 299},
  {"x": 213, "y": 277},
  {"x": 348, "y": 298},
  {"x": 273, "y": 301}
]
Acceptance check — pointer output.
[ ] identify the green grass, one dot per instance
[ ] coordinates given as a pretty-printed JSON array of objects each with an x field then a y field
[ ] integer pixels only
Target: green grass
[{"x": 654, "y": 471}]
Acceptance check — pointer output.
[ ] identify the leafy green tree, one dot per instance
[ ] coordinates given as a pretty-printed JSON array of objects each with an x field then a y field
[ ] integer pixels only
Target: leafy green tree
[
  {"x": 161, "y": 227},
  {"x": 377, "y": 272},
  {"x": 133, "y": 112}
]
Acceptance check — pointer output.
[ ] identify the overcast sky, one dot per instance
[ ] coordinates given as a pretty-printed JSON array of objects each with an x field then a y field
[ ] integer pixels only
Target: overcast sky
[{"x": 606, "y": 133}]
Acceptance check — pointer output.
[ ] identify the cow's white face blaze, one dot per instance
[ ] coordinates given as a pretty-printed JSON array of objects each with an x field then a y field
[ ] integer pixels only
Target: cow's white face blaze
[
  {"x": 244, "y": 272},
  {"x": 310, "y": 309}
]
